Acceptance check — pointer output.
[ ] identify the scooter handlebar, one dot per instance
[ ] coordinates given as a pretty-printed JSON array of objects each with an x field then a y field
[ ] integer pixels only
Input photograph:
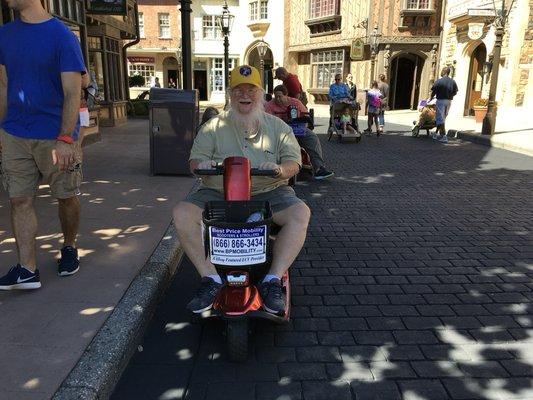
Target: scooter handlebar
[
  {"x": 213, "y": 171},
  {"x": 263, "y": 172}
]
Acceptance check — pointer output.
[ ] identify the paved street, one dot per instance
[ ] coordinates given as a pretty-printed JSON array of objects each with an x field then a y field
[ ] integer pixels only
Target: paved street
[{"x": 415, "y": 283}]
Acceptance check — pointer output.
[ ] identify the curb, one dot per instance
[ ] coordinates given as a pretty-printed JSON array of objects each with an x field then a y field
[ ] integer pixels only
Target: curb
[
  {"x": 100, "y": 367},
  {"x": 491, "y": 142}
]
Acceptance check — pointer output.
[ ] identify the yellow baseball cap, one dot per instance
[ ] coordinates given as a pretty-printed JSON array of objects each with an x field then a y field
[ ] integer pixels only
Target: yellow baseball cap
[{"x": 244, "y": 74}]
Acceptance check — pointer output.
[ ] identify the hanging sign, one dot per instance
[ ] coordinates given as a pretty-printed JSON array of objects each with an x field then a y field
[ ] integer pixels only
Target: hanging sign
[
  {"x": 475, "y": 30},
  {"x": 145, "y": 60},
  {"x": 111, "y": 7},
  {"x": 357, "y": 50}
]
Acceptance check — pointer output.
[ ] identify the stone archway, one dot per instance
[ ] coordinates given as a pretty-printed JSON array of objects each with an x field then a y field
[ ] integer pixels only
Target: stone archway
[
  {"x": 405, "y": 76},
  {"x": 253, "y": 59}
]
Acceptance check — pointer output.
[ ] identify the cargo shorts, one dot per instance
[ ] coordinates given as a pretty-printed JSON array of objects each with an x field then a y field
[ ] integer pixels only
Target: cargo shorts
[
  {"x": 28, "y": 162},
  {"x": 280, "y": 198}
]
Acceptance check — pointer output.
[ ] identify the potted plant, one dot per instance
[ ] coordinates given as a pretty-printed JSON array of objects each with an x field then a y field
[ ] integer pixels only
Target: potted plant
[{"x": 480, "y": 109}]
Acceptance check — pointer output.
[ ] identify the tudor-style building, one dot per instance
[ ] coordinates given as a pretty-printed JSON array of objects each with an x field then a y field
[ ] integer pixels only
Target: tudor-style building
[
  {"x": 468, "y": 43},
  {"x": 320, "y": 35}
]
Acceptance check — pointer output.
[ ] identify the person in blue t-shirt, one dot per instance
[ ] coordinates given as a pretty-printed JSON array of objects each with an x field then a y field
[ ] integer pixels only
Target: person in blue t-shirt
[
  {"x": 41, "y": 65},
  {"x": 339, "y": 91}
]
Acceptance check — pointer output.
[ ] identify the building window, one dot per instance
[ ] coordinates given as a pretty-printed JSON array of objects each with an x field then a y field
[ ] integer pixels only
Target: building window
[
  {"x": 114, "y": 70},
  {"x": 325, "y": 65},
  {"x": 217, "y": 73},
  {"x": 264, "y": 9},
  {"x": 253, "y": 10},
  {"x": 96, "y": 63},
  {"x": 141, "y": 25},
  {"x": 258, "y": 10},
  {"x": 164, "y": 25},
  {"x": 210, "y": 28},
  {"x": 147, "y": 71},
  {"x": 418, "y": 4},
  {"x": 322, "y": 8}
]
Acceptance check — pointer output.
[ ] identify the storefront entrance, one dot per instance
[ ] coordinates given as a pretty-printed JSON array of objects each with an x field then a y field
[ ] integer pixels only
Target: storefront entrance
[
  {"x": 406, "y": 70},
  {"x": 475, "y": 78},
  {"x": 200, "y": 83},
  {"x": 170, "y": 72}
]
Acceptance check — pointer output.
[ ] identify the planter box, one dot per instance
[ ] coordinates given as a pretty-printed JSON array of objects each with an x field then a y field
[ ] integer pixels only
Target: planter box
[{"x": 479, "y": 113}]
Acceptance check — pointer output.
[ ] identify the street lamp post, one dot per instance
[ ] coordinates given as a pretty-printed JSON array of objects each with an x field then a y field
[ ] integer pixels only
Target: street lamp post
[
  {"x": 262, "y": 48},
  {"x": 225, "y": 22},
  {"x": 489, "y": 121},
  {"x": 374, "y": 47},
  {"x": 186, "y": 43}
]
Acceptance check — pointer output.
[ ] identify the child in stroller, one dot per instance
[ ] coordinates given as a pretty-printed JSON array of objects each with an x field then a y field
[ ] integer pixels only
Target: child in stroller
[
  {"x": 344, "y": 120},
  {"x": 426, "y": 119}
]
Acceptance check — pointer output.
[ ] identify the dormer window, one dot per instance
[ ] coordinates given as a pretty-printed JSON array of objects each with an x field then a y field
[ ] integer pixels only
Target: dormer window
[
  {"x": 416, "y": 13},
  {"x": 324, "y": 17}
]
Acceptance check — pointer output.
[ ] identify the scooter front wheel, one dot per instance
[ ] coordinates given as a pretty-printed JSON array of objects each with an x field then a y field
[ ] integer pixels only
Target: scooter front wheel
[{"x": 237, "y": 340}]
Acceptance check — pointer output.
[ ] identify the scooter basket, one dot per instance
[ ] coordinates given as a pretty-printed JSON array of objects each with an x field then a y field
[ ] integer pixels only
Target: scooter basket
[
  {"x": 232, "y": 243},
  {"x": 298, "y": 128}
]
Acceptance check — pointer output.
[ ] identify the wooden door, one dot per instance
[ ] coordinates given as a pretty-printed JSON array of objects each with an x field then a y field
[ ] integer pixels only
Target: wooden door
[{"x": 475, "y": 86}]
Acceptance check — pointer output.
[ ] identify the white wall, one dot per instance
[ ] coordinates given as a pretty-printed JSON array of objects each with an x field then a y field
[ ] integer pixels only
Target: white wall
[{"x": 240, "y": 38}]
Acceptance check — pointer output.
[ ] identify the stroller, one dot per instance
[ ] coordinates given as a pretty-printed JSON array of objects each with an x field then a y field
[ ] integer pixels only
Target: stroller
[
  {"x": 335, "y": 124},
  {"x": 426, "y": 120}
]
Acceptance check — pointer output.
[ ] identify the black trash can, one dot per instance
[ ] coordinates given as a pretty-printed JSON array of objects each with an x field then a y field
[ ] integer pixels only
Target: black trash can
[{"x": 173, "y": 124}]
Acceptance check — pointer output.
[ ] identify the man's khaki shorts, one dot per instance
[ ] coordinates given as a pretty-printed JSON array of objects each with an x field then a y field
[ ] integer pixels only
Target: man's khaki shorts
[
  {"x": 280, "y": 198},
  {"x": 28, "y": 162}
]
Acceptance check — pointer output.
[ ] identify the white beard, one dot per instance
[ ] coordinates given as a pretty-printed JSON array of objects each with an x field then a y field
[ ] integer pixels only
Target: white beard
[{"x": 248, "y": 122}]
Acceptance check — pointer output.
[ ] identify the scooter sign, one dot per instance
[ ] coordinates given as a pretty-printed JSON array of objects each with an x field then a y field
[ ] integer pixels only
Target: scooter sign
[{"x": 242, "y": 246}]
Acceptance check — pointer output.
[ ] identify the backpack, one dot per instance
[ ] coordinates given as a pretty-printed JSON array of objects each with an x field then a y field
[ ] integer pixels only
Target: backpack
[{"x": 374, "y": 100}]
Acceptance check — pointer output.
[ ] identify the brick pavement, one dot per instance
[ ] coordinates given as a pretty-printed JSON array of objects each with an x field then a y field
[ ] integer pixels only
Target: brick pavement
[{"x": 415, "y": 283}]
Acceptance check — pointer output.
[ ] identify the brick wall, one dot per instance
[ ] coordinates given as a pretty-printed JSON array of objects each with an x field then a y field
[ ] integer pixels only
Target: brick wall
[{"x": 150, "y": 10}]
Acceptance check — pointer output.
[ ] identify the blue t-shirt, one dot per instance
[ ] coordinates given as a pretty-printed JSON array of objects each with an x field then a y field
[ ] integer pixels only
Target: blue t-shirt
[
  {"x": 34, "y": 56},
  {"x": 338, "y": 92}
]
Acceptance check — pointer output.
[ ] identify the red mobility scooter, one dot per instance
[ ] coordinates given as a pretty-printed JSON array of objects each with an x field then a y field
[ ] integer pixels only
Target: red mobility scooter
[{"x": 238, "y": 239}]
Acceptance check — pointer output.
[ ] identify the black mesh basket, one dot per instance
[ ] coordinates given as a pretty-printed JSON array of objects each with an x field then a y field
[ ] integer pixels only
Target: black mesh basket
[{"x": 229, "y": 222}]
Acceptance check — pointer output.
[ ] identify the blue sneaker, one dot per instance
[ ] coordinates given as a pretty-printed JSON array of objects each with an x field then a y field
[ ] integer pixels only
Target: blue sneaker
[
  {"x": 20, "y": 278},
  {"x": 69, "y": 263}
]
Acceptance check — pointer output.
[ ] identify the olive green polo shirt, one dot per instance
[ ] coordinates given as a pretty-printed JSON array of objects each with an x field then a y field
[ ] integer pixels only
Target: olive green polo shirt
[{"x": 220, "y": 138}]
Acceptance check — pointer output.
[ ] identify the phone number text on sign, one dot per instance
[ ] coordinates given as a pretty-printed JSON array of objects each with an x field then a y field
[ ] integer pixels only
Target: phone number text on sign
[{"x": 244, "y": 246}]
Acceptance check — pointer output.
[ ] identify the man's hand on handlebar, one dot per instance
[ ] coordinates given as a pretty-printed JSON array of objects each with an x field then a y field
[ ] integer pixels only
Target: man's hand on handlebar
[
  {"x": 271, "y": 166},
  {"x": 208, "y": 164}
]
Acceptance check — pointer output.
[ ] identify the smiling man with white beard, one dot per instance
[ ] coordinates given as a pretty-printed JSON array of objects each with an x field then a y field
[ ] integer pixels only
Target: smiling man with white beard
[{"x": 247, "y": 131}]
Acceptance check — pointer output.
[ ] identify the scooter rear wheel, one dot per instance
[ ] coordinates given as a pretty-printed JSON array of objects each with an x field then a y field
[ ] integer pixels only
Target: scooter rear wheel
[{"x": 237, "y": 340}]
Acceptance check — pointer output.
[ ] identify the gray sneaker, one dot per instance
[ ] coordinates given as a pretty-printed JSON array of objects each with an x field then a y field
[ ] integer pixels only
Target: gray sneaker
[
  {"x": 443, "y": 139},
  {"x": 205, "y": 296},
  {"x": 273, "y": 297}
]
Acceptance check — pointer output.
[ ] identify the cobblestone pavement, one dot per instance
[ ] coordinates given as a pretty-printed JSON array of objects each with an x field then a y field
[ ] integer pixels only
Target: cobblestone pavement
[{"x": 415, "y": 283}]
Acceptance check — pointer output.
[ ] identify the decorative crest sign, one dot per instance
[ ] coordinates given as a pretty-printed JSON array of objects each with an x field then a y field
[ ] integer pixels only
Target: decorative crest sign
[
  {"x": 357, "y": 50},
  {"x": 475, "y": 30}
]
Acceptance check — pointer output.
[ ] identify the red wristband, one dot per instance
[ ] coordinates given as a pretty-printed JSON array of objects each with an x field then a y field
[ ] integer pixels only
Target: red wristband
[{"x": 65, "y": 138}]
